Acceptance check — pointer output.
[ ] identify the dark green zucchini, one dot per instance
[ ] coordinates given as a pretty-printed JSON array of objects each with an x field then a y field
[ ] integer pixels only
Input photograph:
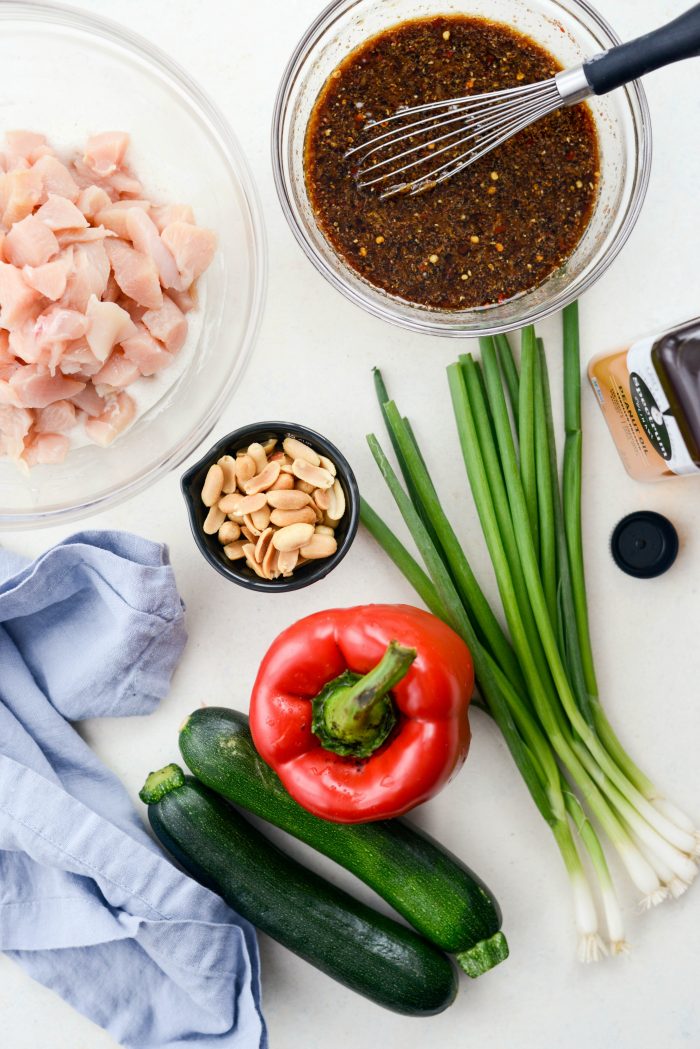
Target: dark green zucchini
[
  {"x": 426, "y": 884},
  {"x": 366, "y": 951}
]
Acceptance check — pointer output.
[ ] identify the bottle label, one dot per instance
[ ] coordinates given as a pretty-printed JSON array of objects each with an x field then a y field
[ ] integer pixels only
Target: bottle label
[{"x": 654, "y": 411}]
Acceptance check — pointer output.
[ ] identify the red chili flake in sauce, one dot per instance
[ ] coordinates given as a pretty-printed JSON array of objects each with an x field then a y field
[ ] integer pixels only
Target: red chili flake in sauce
[{"x": 539, "y": 229}]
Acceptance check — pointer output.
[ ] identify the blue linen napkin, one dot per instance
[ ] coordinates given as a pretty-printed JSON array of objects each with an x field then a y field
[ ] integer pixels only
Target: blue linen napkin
[{"x": 89, "y": 905}]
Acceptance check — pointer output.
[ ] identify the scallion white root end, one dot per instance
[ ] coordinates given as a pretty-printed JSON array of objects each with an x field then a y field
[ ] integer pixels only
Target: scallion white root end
[
  {"x": 653, "y": 899},
  {"x": 677, "y": 887},
  {"x": 591, "y": 948},
  {"x": 618, "y": 947}
]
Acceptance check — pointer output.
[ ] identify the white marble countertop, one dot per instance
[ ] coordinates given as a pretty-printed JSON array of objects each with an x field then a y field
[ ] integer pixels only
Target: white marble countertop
[{"x": 645, "y": 633}]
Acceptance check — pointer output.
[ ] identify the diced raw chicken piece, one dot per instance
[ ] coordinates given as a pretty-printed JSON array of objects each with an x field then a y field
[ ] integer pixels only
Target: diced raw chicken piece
[
  {"x": 30, "y": 243},
  {"x": 25, "y": 345},
  {"x": 135, "y": 273},
  {"x": 51, "y": 278},
  {"x": 20, "y": 192},
  {"x": 92, "y": 200},
  {"x": 90, "y": 402},
  {"x": 85, "y": 176},
  {"x": 87, "y": 235},
  {"x": 46, "y": 449},
  {"x": 164, "y": 214},
  {"x": 27, "y": 144},
  {"x": 58, "y": 417},
  {"x": 149, "y": 355},
  {"x": 58, "y": 324},
  {"x": 55, "y": 178},
  {"x": 6, "y": 357},
  {"x": 114, "y": 215},
  {"x": 113, "y": 292},
  {"x": 18, "y": 302},
  {"x": 17, "y": 163},
  {"x": 124, "y": 184},
  {"x": 135, "y": 311},
  {"x": 167, "y": 324},
  {"x": 15, "y": 424},
  {"x": 114, "y": 420},
  {"x": 145, "y": 237},
  {"x": 104, "y": 153},
  {"x": 192, "y": 247},
  {"x": 7, "y": 394},
  {"x": 115, "y": 374},
  {"x": 36, "y": 387},
  {"x": 108, "y": 324},
  {"x": 58, "y": 213},
  {"x": 184, "y": 300},
  {"x": 89, "y": 276},
  {"x": 79, "y": 361}
]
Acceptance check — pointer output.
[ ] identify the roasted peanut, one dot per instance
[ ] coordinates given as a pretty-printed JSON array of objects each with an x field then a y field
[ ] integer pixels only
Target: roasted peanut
[
  {"x": 293, "y": 536},
  {"x": 328, "y": 464},
  {"x": 287, "y": 561},
  {"x": 314, "y": 475},
  {"x": 228, "y": 465},
  {"x": 322, "y": 497},
  {"x": 324, "y": 530},
  {"x": 245, "y": 469},
  {"x": 262, "y": 544},
  {"x": 270, "y": 562},
  {"x": 213, "y": 521},
  {"x": 284, "y": 482},
  {"x": 282, "y": 518},
  {"x": 249, "y": 552},
  {"x": 234, "y": 551},
  {"x": 213, "y": 483},
  {"x": 261, "y": 518},
  {"x": 287, "y": 500},
  {"x": 269, "y": 446},
  {"x": 296, "y": 450},
  {"x": 336, "y": 507},
  {"x": 262, "y": 481},
  {"x": 235, "y": 503},
  {"x": 229, "y": 532},
  {"x": 257, "y": 454},
  {"x": 319, "y": 546},
  {"x": 250, "y": 529},
  {"x": 304, "y": 486}
]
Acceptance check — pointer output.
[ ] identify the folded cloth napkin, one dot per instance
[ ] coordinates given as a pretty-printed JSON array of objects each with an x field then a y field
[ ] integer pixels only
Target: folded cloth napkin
[{"x": 89, "y": 905}]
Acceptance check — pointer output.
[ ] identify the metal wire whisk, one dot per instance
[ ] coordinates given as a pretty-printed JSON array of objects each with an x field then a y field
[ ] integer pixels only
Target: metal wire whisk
[{"x": 425, "y": 145}]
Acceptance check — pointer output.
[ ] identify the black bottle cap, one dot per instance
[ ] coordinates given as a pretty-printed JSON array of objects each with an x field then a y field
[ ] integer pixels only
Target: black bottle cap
[{"x": 644, "y": 544}]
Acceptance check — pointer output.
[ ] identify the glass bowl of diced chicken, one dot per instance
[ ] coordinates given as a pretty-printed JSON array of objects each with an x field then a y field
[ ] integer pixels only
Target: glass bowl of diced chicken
[{"x": 132, "y": 264}]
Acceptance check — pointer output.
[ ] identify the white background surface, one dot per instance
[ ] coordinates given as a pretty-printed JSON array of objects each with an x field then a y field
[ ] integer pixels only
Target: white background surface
[{"x": 312, "y": 364}]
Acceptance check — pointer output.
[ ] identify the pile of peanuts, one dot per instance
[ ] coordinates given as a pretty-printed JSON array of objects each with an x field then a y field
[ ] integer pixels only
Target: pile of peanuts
[{"x": 276, "y": 507}]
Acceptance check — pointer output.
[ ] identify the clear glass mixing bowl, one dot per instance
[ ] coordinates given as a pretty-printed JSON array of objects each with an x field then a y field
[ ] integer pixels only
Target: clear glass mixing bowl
[
  {"x": 68, "y": 74},
  {"x": 572, "y": 31}
]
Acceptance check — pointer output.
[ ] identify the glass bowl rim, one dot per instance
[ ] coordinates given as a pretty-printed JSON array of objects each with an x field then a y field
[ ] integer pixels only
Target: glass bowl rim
[
  {"x": 50, "y": 13},
  {"x": 418, "y": 320}
]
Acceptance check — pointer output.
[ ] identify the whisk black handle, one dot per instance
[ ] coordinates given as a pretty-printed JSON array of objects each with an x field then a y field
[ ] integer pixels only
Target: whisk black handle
[{"x": 679, "y": 39}]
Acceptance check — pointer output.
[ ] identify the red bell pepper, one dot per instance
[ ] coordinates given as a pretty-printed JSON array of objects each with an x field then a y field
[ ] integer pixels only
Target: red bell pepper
[{"x": 363, "y": 712}]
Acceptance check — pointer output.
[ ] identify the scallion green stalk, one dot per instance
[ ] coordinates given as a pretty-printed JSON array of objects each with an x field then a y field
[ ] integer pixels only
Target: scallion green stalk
[{"x": 541, "y": 689}]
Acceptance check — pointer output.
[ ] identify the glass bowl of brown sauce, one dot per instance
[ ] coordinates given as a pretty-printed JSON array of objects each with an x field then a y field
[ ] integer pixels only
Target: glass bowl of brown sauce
[{"x": 516, "y": 236}]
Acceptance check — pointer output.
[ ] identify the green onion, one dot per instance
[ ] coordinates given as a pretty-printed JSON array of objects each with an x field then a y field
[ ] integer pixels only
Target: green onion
[{"x": 538, "y": 682}]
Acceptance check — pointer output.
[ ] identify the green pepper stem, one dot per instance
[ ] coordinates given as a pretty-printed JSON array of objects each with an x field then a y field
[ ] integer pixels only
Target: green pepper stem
[{"x": 354, "y": 714}]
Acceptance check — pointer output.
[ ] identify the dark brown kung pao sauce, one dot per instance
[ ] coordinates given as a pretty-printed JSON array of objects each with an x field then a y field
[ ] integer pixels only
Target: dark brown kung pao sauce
[{"x": 492, "y": 232}]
